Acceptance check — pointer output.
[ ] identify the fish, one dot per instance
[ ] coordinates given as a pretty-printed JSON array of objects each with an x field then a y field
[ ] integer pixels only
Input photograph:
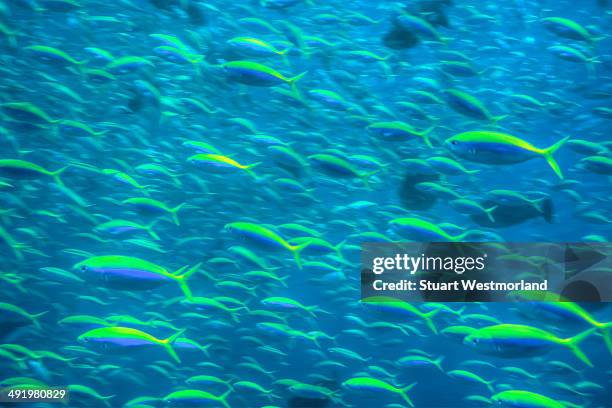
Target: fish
[
  {"x": 372, "y": 384},
  {"x": 118, "y": 338},
  {"x": 131, "y": 273},
  {"x": 513, "y": 398},
  {"x": 515, "y": 340},
  {"x": 499, "y": 148},
  {"x": 264, "y": 237}
]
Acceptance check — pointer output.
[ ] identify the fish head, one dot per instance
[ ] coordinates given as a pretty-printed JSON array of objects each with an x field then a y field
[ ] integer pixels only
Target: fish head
[
  {"x": 460, "y": 147},
  {"x": 84, "y": 338},
  {"x": 81, "y": 267},
  {"x": 498, "y": 400},
  {"x": 479, "y": 341}
]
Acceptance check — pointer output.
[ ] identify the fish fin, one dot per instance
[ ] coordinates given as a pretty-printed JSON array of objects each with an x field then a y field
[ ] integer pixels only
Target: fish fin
[
  {"x": 204, "y": 350},
  {"x": 428, "y": 319},
  {"x": 338, "y": 249},
  {"x": 223, "y": 397},
  {"x": 249, "y": 170},
  {"x": 174, "y": 211},
  {"x": 167, "y": 343},
  {"x": 548, "y": 155},
  {"x": 35, "y": 317},
  {"x": 292, "y": 81},
  {"x": 573, "y": 343},
  {"x": 489, "y": 212},
  {"x": 460, "y": 311},
  {"x": 56, "y": 174},
  {"x": 149, "y": 229},
  {"x": 438, "y": 362},
  {"x": 403, "y": 393},
  {"x": 426, "y": 135},
  {"x": 605, "y": 329},
  {"x": 296, "y": 252},
  {"x": 182, "y": 279},
  {"x": 296, "y": 78},
  {"x": 365, "y": 178},
  {"x": 496, "y": 119}
]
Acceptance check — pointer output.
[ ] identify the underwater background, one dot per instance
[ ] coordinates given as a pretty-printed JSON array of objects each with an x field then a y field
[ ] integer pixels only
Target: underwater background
[{"x": 185, "y": 186}]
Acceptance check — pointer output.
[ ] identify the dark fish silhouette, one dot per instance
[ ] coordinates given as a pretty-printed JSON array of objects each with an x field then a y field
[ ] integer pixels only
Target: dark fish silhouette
[
  {"x": 507, "y": 215},
  {"x": 413, "y": 199},
  {"x": 432, "y": 11}
]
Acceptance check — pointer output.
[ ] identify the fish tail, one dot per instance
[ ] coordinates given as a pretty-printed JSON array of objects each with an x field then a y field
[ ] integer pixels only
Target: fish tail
[
  {"x": 426, "y": 134},
  {"x": 548, "y": 155},
  {"x": 573, "y": 343},
  {"x": 462, "y": 236},
  {"x": 365, "y": 178},
  {"x": 403, "y": 392},
  {"x": 223, "y": 398},
  {"x": 174, "y": 211},
  {"x": 292, "y": 81},
  {"x": 605, "y": 330},
  {"x": 296, "y": 78},
  {"x": 315, "y": 340},
  {"x": 490, "y": 386},
  {"x": 296, "y": 252},
  {"x": 182, "y": 279},
  {"x": 167, "y": 343},
  {"x": 204, "y": 350},
  {"x": 56, "y": 176},
  {"x": 338, "y": 249},
  {"x": 489, "y": 212},
  {"x": 35, "y": 317},
  {"x": 386, "y": 69},
  {"x": 249, "y": 169},
  {"x": 71, "y": 194},
  {"x": 149, "y": 228},
  {"x": 460, "y": 311},
  {"x": 496, "y": 119},
  {"x": 438, "y": 362},
  {"x": 428, "y": 319}
]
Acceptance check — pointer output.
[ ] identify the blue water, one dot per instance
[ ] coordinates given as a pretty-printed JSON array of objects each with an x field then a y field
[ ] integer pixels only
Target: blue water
[{"x": 125, "y": 95}]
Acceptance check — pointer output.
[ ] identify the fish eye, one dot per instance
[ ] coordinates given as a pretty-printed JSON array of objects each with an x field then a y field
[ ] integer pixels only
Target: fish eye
[
  {"x": 454, "y": 142},
  {"x": 84, "y": 268}
]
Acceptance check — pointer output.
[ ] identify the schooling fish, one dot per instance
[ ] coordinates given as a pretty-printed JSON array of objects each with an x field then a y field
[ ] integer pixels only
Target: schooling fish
[
  {"x": 516, "y": 341},
  {"x": 130, "y": 273},
  {"x": 487, "y": 147},
  {"x": 527, "y": 399},
  {"x": 256, "y": 74},
  {"x": 265, "y": 237},
  {"x": 118, "y": 338},
  {"x": 374, "y": 385},
  {"x": 195, "y": 398}
]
